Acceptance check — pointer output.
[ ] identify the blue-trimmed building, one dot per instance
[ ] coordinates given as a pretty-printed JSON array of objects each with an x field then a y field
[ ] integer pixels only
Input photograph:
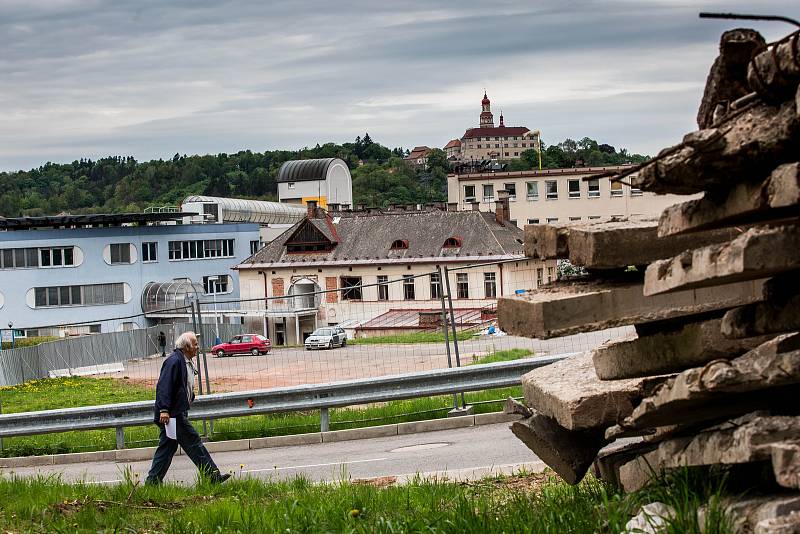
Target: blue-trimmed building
[{"x": 113, "y": 272}]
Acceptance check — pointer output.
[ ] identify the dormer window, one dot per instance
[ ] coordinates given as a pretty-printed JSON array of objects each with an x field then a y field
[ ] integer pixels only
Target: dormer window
[
  {"x": 452, "y": 242},
  {"x": 399, "y": 244}
]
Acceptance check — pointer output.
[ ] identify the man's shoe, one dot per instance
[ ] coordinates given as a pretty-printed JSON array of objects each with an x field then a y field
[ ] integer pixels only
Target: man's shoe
[{"x": 220, "y": 478}]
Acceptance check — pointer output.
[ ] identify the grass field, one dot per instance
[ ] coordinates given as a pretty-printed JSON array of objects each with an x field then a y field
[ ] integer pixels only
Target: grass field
[
  {"x": 416, "y": 337},
  {"x": 522, "y": 503},
  {"x": 80, "y": 391}
]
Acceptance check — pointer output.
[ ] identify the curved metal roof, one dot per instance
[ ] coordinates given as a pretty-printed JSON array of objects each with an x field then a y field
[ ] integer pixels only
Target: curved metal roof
[
  {"x": 304, "y": 170},
  {"x": 255, "y": 211},
  {"x": 166, "y": 296}
]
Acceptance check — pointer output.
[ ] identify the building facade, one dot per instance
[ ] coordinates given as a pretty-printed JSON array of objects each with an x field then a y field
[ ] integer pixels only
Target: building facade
[
  {"x": 326, "y": 181},
  {"x": 349, "y": 268},
  {"x": 556, "y": 195},
  {"x": 55, "y": 276}
]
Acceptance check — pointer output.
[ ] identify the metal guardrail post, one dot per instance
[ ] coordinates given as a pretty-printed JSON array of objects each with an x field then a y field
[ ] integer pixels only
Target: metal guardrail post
[
  {"x": 453, "y": 326},
  {"x": 444, "y": 329},
  {"x": 196, "y": 319},
  {"x": 120, "y": 437},
  {"x": 324, "y": 420}
]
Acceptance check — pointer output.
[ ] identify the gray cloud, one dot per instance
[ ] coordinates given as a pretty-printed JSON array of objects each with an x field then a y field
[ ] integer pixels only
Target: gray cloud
[{"x": 151, "y": 78}]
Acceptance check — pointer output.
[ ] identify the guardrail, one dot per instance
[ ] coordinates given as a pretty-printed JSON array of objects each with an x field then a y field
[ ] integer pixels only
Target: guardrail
[{"x": 289, "y": 399}]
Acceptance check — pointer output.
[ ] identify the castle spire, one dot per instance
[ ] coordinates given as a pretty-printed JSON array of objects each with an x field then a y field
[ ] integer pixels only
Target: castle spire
[{"x": 487, "y": 119}]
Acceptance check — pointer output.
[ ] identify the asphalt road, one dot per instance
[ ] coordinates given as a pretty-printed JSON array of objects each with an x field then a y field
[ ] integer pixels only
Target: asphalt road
[
  {"x": 462, "y": 454},
  {"x": 294, "y": 366}
]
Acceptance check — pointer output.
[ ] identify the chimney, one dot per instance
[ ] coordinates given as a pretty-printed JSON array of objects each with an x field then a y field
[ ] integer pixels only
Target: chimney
[
  {"x": 345, "y": 207},
  {"x": 476, "y": 206},
  {"x": 311, "y": 207},
  {"x": 452, "y": 206},
  {"x": 501, "y": 210},
  {"x": 361, "y": 207},
  {"x": 333, "y": 207}
]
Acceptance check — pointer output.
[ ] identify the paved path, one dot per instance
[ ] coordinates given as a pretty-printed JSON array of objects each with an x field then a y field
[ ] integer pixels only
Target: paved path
[
  {"x": 293, "y": 366},
  {"x": 462, "y": 453}
]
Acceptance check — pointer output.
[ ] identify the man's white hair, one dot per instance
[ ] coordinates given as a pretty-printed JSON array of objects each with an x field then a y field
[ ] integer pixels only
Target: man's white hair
[{"x": 185, "y": 340}]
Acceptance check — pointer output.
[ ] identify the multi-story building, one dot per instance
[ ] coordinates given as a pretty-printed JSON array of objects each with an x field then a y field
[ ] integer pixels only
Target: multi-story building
[
  {"x": 556, "y": 195},
  {"x": 113, "y": 272},
  {"x": 490, "y": 142},
  {"x": 418, "y": 157},
  {"x": 370, "y": 263}
]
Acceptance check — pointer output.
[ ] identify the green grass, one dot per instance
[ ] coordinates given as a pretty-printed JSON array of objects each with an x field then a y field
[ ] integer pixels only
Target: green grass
[
  {"x": 520, "y": 503},
  {"x": 503, "y": 356},
  {"x": 28, "y": 341},
  {"x": 415, "y": 337}
]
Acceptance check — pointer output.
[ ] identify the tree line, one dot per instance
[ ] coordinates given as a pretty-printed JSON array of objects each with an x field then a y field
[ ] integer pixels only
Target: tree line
[{"x": 119, "y": 184}]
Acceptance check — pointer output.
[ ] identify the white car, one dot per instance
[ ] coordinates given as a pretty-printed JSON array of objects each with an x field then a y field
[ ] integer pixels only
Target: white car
[{"x": 325, "y": 338}]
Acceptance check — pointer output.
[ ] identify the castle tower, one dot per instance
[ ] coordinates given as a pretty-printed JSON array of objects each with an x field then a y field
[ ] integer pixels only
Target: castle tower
[{"x": 487, "y": 120}]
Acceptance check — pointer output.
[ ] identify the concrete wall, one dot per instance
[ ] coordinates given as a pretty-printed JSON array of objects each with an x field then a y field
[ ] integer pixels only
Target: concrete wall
[{"x": 16, "y": 284}]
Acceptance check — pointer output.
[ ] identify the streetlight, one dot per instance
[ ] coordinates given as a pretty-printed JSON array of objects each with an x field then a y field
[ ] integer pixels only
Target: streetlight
[
  {"x": 11, "y": 327},
  {"x": 213, "y": 282}
]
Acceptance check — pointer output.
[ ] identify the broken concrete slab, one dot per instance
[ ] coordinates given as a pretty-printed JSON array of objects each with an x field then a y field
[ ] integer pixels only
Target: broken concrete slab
[
  {"x": 788, "y": 524},
  {"x": 723, "y": 386},
  {"x": 750, "y": 256},
  {"x": 771, "y": 317},
  {"x": 786, "y": 464},
  {"x": 727, "y": 79},
  {"x": 747, "y": 146},
  {"x": 606, "y": 465},
  {"x": 570, "y": 392},
  {"x": 583, "y": 306},
  {"x": 612, "y": 244},
  {"x": 671, "y": 351},
  {"x": 569, "y": 453},
  {"x": 775, "y": 72},
  {"x": 748, "y": 512},
  {"x": 777, "y": 197}
]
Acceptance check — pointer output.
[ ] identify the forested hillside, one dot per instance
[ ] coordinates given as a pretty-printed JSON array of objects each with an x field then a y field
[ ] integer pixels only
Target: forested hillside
[{"x": 121, "y": 184}]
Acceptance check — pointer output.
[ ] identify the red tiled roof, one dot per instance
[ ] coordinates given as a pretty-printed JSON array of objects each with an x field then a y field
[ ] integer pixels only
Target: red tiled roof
[
  {"x": 452, "y": 144},
  {"x": 500, "y": 131},
  {"x": 418, "y": 152}
]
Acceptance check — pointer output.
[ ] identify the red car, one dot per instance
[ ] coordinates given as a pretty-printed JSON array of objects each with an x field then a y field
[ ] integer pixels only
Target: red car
[{"x": 252, "y": 343}]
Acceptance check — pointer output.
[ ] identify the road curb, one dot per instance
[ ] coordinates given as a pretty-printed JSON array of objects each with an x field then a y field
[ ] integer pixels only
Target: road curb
[{"x": 146, "y": 453}]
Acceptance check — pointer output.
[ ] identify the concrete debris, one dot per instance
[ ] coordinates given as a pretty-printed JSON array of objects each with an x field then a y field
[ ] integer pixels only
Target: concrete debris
[
  {"x": 747, "y": 513},
  {"x": 671, "y": 351},
  {"x": 727, "y": 80},
  {"x": 606, "y": 466},
  {"x": 788, "y": 524},
  {"x": 707, "y": 392},
  {"x": 652, "y": 519},
  {"x": 569, "y": 453},
  {"x": 748, "y": 257},
  {"x": 771, "y": 317},
  {"x": 570, "y": 392},
  {"x": 612, "y": 244},
  {"x": 748, "y": 146},
  {"x": 786, "y": 464},
  {"x": 775, "y": 198},
  {"x": 571, "y": 308},
  {"x": 775, "y": 73},
  {"x": 513, "y": 407}
]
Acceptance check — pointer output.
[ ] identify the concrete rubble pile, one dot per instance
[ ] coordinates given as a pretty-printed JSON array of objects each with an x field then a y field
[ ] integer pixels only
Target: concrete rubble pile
[{"x": 712, "y": 376}]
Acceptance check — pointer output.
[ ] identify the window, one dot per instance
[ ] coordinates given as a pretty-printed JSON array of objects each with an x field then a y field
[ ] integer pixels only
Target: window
[
  {"x": 51, "y": 257},
  {"x": 452, "y": 242},
  {"x": 436, "y": 286},
  {"x": 479, "y": 146},
  {"x": 290, "y": 185},
  {"x": 88, "y": 295},
  {"x": 488, "y": 193},
  {"x": 383, "y": 287},
  {"x": 616, "y": 189},
  {"x": 533, "y": 190},
  {"x": 552, "y": 220},
  {"x": 254, "y": 246},
  {"x": 399, "y": 244},
  {"x": 551, "y": 274},
  {"x": 408, "y": 287},
  {"x": 512, "y": 190},
  {"x": 506, "y": 153},
  {"x": 533, "y": 221},
  {"x": 574, "y": 218},
  {"x": 351, "y": 288},
  {"x": 120, "y": 253},
  {"x": 21, "y": 258},
  {"x": 210, "y": 212},
  {"x": 594, "y": 188},
  {"x": 469, "y": 192},
  {"x": 462, "y": 285},
  {"x": 208, "y": 248},
  {"x": 551, "y": 189},
  {"x": 490, "y": 285},
  {"x": 574, "y": 187},
  {"x": 216, "y": 284},
  {"x": 150, "y": 252},
  {"x": 539, "y": 276},
  {"x": 636, "y": 192},
  {"x": 593, "y": 217}
]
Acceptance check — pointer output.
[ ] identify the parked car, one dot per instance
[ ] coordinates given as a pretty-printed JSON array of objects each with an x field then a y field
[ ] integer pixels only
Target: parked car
[
  {"x": 341, "y": 334},
  {"x": 326, "y": 338},
  {"x": 252, "y": 343}
]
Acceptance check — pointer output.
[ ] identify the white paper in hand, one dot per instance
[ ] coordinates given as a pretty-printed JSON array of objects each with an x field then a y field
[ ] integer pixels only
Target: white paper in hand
[{"x": 171, "y": 431}]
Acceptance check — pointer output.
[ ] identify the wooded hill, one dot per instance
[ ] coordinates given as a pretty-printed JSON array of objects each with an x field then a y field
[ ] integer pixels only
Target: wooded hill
[{"x": 380, "y": 177}]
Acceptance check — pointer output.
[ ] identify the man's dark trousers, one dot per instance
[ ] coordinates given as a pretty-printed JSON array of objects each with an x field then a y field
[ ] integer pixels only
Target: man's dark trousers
[{"x": 189, "y": 439}]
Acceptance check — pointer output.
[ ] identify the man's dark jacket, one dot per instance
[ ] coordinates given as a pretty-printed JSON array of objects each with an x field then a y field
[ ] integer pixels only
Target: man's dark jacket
[{"x": 171, "y": 392}]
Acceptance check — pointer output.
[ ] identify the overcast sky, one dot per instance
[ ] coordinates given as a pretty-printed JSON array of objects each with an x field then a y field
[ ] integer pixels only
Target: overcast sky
[{"x": 149, "y": 78}]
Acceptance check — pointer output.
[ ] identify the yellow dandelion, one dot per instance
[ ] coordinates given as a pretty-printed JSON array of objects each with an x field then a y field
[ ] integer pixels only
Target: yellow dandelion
[{"x": 355, "y": 512}]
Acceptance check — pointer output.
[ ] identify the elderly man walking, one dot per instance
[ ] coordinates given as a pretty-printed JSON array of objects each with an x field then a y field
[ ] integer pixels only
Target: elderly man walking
[{"x": 174, "y": 395}]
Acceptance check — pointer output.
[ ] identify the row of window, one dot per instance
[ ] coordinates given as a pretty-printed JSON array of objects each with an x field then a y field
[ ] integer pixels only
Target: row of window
[
  {"x": 201, "y": 248},
  {"x": 506, "y": 138},
  {"x": 572, "y": 219},
  {"x": 28, "y": 258},
  {"x": 352, "y": 286},
  {"x": 550, "y": 190},
  {"x": 86, "y": 295}
]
